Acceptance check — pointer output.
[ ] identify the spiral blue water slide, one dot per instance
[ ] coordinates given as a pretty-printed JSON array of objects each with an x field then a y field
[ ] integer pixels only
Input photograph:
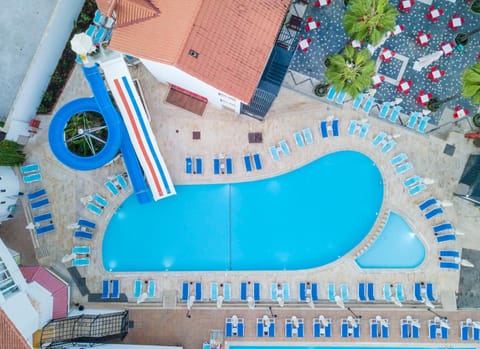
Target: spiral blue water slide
[{"x": 118, "y": 138}]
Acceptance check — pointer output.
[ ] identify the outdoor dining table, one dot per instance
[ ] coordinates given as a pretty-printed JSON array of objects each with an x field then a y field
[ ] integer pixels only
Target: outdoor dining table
[
  {"x": 460, "y": 112},
  {"x": 311, "y": 24},
  {"x": 377, "y": 79},
  {"x": 406, "y": 5},
  {"x": 423, "y": 98},
  {"x": 455, "y": 22},
  {"x": 433, "y": 14},
  {"x": 304, "y": 44},
  {"x": 404, "y": 86},
  {"x": 321, "y": 3},
  {"x": 435, "y": 74},
  {"x": 447, "y": 48},
  {"x": 386, "y": 55},
  {"x": 423, "y": 38},
  {"x": 356, "y": 44}
]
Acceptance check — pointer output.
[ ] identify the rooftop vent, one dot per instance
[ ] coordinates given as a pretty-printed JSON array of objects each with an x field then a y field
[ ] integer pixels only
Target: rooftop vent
[{"x": 193, "y": 53}]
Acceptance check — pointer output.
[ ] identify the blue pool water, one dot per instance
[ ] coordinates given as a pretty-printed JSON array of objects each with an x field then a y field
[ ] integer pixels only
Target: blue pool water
[
  {"x": 303, "y": 219},
  {"x": 397, "y": 246}
]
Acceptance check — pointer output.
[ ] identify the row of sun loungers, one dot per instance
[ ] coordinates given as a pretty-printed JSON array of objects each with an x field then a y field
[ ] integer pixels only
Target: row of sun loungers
[
  {"x": 110, "y": 289},
  {"x": 43, "y": 223},
  {"x": 116, "y": 184},
  {"x": 138, "y": 288},
  {"x": 31, "y": 173},
  {"x": 84, "y": 229},
  {"x": 193, "y": 166},
  {"x": 222, "y": 166},
  {"x": 308, "y": 292},
  {"x": 96, "y": 203},
  {"x": 360, "y": 127},
  {"x": 444, "y": 231},
  {"x": 252, "y": 162}
]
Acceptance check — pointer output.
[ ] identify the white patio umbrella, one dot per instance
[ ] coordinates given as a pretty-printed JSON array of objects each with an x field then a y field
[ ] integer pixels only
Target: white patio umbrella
[
  {"x": 322, "y": 320},
  {"x": 295, "y": 321},
  {"x": 429, "y": 304},
  {"x": 396, "y": 301},
  {"x": 143, "y": 297},
  {"x": 425, "y": 61},
  {"x": 266, "y": 321},
  {"x": 73, "y": 226},
  {"x": 444, "y": 324},
  {"x": 339, "y": 302},
  {"x": 397, "y": 101},
  {"x": 82, "y": 44},
  {"x": 190, "y": 301},
  {"x": 69, "y": 257},
  {"x": 310, "y": 302},
  {"x": 234, "y": 320},
  {"x": 219, "y": 301},
  {"x": 467, "y": 263},
  {"x": 446, "y": 203},
  {"x": 384, "y": 322},
  {"x": 476, "y": 324},
  {"x": 30, "y": 226},
  {"x": 427, "y": 180},
  {"x": 426, "y": 111},
  {"x": 251, "y": 303},
  {"x": 280, "y": 301},
  {"x": 416, "y": 323}
]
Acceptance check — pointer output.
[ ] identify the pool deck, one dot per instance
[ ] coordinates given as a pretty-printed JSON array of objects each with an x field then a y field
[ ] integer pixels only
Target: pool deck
[{"x": 223, "y": 132}]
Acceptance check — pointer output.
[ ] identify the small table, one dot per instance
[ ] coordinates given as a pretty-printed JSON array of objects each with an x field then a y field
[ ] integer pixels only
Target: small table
[
  {"x": 447, "y": 48},
  {"x": 321, "y": 3},
  {"x": 404, "y": 86},
  {"x": 311, "y": 24},
  {"x": 304, "y": 44},
  {"x": 460, "y": 112},
  {"x": 435, "y": 74},
  {"x": 434, "y": 14},
  {"x": 423, "y": 98},
  {"x": 356, "y": 44},
  {"x": 386, "y": 55},
  {"x": 423, "y": 38},
  {"x": 456, "y": 22},
  {"x": 377, "y": 79},
  {"x": 406, "y": 5}
]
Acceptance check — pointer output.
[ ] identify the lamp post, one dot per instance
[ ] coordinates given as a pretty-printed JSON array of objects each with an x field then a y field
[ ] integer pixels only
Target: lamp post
[
  {"x": 435, "y": 313},
  {"x": 271, "y": 312},
  {"x": 357, "y": 316}
]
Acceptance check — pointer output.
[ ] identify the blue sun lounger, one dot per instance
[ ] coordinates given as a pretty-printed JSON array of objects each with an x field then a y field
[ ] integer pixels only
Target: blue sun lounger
[
  {"x": 39, "y": 203},
  {"x": 198, "y": 291},
  {"x": 229, "y": 165},
  {"x": 198, "y": 166},
  {"x": 111, "y": 187},
  {"x": 248, "y": 163},
  {"x": 335, "y": 127},
  {"x": 94, "y": 209},
  {"x": 446, "y": 237},
  {"x": 274, "y": 153},
  {"x": 42, "y": 217},
  {"x": 433, "y": 213},
  {"x": 399, "y": 289},
  {"x": 417, "y": 189},
  {"x": 323, "y": 129},
  {"x": 213, "y": 291},
  {"x": 185, "y": 291},
  {"x": 364, "y": 130},
  {"x": 429, "y": 292},
  {"x": 370, "y": 291},
  {"x": 81, "y": 262},
  {"x": 412, "y": 120},
  {"x": 427, "y": 203},
  {"x": 442, "y": 227},
  {"x": 384, "y": 110},
  {"x": 465, "y": 330},
  {"x": 387, "y": 292},
  {"x": 344, "y": 292},
  {"x": 432, "y": 329},
  {"x": 357, "y": 101},
  {"x": 86, "y": 223},
  {"x": 395, "y": 114},
  {"x": 340, "y": 97},
  {"x": 121, "y": 180},
  {"x": 256, "y": 291},
  {"x": 450, "y": 253},
  {"x": 299, "y": 139},
  {"x": 352, "y": 127},
  {"x": 151, "y": 289},
  {"x": 36, "y": 194},
  {"x": 423, "y": 124},
  {"x": 388, "y": 147},
  {"x": 398, "y": 159},
  {"x": 379, "y": 138},
  {"x": 373, "y": 328},
  {"x": 331, "y": 93},
  {"x": 405, "y": 328},
  {"x": 368, "y": 104},
  {"x": 188, "y": 165},
  {"x": 257, "y": 161},
  {"x": 99, "y": 19},
  {"x": 344, "y": 328},
  {"x": 100, "y": 200},
  {"x": 81, "y": 249},
  {"x": 403, "y": 167},
  {"x": 331, "y": 292},
  {"x": 216, "y": 166},
  {"x": 261, "y": 330},
  {"x": 45, "y": 229},
  {"x": 80, "y": 234},
  {"x": 243, "y": 291},
  {"x": 411, "y": 181},
  {"x": 105, "y": 289},
  {"x": 29, "y": 168},
  {"x": 385, "y": 329},
  {"x": 137, "y": 288},
  {"x": 284, "y": 146},
  {"x": 32, "y": 178},
  {"x": 307, "y": 134},
  {"x": 115, "y": 289},
  {"x": 313, "y": 291},
  {"x": 91, "y": 30},
  {"x": 449, "y": 265},
  {"x": 361, "y": 292},
  {"x": 417, "y": 292},
  {"x": 227, "y": 291}
]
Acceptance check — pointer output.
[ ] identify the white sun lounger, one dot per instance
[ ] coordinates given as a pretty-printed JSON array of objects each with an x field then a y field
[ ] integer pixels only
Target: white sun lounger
[{"x": 274, "y": 153}]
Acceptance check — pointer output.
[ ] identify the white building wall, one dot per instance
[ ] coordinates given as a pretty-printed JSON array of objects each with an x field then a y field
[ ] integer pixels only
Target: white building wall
[
  {"x": 9, "y": 187},
  {"x": 44, "y": 62},
  {"x": 169, "y": 74}
]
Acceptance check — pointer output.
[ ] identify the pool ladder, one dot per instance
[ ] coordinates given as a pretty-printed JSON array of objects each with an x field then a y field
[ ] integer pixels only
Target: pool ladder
[{"x": 373, "y": 236}]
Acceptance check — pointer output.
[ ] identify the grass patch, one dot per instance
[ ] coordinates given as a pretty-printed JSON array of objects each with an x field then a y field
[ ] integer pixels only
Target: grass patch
[{"x": 67, "y": 60}]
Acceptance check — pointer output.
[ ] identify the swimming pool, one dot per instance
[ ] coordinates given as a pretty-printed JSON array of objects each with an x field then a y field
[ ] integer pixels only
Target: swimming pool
[
  {"x": 303, "y": 219},
  {"x": 396, "y": 247}
]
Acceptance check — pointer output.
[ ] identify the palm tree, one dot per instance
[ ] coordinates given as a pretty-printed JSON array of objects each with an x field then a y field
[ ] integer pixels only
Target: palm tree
[
  {"x": 350, "y": 71},
  {"x": 10, "y": 153},
  {"x": 471, "y": 83},
  {"x": 369, "y": 19}
]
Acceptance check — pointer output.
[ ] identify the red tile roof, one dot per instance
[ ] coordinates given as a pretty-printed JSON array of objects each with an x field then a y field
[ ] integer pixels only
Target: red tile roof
[
  {"x": 10, "y": 336},
  {"x": 57, "y": 287},
  {"x": 233, "y": 39}
]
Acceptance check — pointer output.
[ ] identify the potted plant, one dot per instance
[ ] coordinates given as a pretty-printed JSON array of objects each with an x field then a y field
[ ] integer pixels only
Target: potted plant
[
  {"x": 476, "y": 120},
  {"x": 321, "y": 89}
]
